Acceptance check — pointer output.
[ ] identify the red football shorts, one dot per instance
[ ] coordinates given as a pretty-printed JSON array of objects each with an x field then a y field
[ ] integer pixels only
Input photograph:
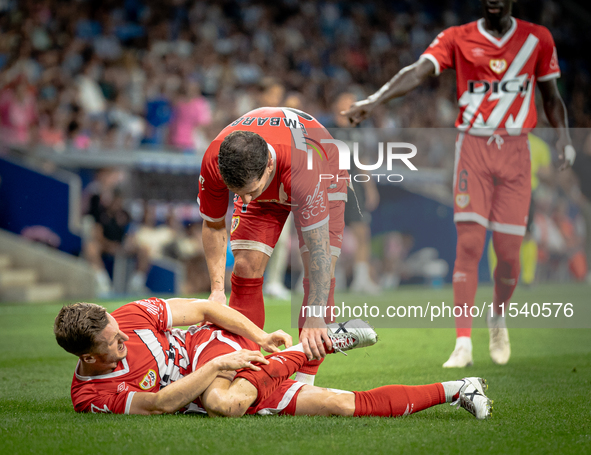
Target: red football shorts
[
  {"x": 492, "y": 182},
  {"x": 258, "y": 225},
  {"x": 210, "y": 342}
]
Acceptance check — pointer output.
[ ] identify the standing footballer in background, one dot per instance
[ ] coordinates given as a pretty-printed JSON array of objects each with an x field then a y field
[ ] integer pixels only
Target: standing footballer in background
[
  {"x": 498, "y": 60},
  {"x": 276, "y": 161}
]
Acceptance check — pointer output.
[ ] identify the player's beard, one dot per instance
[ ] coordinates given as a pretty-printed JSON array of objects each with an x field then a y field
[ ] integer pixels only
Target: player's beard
[{"x": 497, "y": 17}]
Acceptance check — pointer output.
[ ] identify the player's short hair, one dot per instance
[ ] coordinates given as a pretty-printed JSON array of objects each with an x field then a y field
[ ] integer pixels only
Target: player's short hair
[
  {"x": 77, "y": 326},
  {"x": 242, "y": 158}
]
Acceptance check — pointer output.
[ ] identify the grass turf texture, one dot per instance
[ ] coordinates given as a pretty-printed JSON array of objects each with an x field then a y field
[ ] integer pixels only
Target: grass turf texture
[{"x": 542, "y": 397}]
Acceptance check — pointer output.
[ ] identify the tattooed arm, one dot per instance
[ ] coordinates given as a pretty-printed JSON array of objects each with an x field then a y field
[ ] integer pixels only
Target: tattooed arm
[
  {"x": 314, "y": 330},
  {"x": 215, "y": 238}
]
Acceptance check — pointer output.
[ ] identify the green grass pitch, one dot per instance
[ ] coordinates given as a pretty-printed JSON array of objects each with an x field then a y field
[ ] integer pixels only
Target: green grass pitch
[{"x": 542, "y": 398}]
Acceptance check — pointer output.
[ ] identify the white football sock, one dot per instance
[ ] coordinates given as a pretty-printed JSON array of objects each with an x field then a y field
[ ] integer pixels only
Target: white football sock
[
  {"x": 496, "y": 320},
  {"x": 305, "y": 378},
  {"x": 464, "y": 342},
  {"x": 451, "y": 388},
  {"x": 296, "y": 347}
]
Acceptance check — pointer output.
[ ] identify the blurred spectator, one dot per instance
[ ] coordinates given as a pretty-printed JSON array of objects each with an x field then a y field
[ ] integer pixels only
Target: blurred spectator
[
  {"x": 188, "y": 248},
  {"x": 397, "y": 263},
  {"x": 152, "y": 237},
  {"x": 130, "y": 127},
  {"x": 158, "y": 114},
  {"x": 18, "y": 113},
  {"x": 107, "y": 241},
  {"x": 52, "y": 130},
  {"x": 191, "y": 112},
  {"x": 90, "y": 95}
]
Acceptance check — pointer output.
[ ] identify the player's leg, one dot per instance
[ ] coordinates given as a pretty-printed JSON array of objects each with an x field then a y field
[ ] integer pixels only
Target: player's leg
[
  {"x": 505, "y": 279},
  {"x": 507, "y": 249},
  {"x": 473, "y": 188},
  {"x": 254, "y": 232},
  {"x": 250, "y": 387},
  {"x": 471, "y": 237},
  {"x": 509, "y": 216},
  {"x": 528, "y": 254},
  {"x": 394, "y": 400},
  {"x": 336, "y": 227},
  {"x": 247, "y": 284}
]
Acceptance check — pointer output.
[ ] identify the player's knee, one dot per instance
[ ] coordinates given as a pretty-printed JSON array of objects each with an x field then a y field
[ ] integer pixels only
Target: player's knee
[
  {"x": 508, "y": 262},
  {"x": 213, "y": 403},
  {"x": 219, "y": 404},
  {"x": 508, "y": 255},
  {"x": 469, "y": 251},
  {"x": 244, "y": 269},
  {"x": 340, "y": 404},
  {"x": 248, "y": 266}
]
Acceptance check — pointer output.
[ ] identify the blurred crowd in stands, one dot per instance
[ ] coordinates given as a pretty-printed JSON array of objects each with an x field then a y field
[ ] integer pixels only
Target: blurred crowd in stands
[
  {"x": 118, "y": 74},
  {"x": 121, "y": 75}
]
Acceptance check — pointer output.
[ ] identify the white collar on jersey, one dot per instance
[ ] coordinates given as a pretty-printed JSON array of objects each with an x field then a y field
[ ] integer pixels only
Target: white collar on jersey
[
  {"x": 496, "y": 41},
  {"x": 114, "y": 374},
  {"x": 274, "y": 156}
]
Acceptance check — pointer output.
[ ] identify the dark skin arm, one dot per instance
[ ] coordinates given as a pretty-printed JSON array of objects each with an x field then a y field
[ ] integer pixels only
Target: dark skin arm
[
  {"x": 406, "y": 80},
  {"x": 557, "y": 116}
]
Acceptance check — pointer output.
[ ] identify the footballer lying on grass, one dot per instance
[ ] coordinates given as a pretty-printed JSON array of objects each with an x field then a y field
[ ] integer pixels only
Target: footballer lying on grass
[{"x": 134, "y": 362}]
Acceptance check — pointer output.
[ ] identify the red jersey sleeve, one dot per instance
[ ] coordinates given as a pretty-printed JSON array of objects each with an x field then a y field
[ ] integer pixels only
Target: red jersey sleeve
[
  {"x": 547, "y": 65},
  {"x": 152, "y": 312},
  {"x": 441, "y": 51},
  {"x": 213, "y": 193},
  {"x": 309, "y": 192},
  {"x": 89, "y": 399}
]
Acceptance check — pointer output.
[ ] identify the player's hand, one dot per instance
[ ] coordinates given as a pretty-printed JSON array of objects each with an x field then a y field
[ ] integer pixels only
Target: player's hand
[
  {"x": 566, "y": 154},
  {"x": 314, "y": 338},
  {"x": 272, "y": 341},
  {"x": 241, "y": 359},
  {"x": 359, "y": 111},
  {"x": 218, "y": 296}
]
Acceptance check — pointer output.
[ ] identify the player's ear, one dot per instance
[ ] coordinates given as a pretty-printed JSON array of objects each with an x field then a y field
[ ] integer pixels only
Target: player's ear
[
  {"x": 88, "y": 358},
  {"x": 270, "y": 162}
]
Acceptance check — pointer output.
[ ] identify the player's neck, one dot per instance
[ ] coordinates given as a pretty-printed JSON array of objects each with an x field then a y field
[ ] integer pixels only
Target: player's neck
[
  {"x": 90, "y": 369},
  {"x": 498, "y": 27}
]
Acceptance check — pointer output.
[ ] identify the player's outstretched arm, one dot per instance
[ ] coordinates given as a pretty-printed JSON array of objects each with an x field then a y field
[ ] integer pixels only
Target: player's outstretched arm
[
  {"x": 407, "y": 79},
  {"x": 184, "y": 391},
  {"x": 194, "y": 311},
  {"x": 215, "y": 242},
  {"x": 314, "y": 331},
  {"x": 557, "y": 116}
]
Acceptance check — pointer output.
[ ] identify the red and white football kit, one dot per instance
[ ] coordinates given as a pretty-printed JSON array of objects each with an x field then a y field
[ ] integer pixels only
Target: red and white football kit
[
  {"x": 496, "y": 95},
  {"x": 294, "y": 138},
  {"x": 157, "y": 355}
]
